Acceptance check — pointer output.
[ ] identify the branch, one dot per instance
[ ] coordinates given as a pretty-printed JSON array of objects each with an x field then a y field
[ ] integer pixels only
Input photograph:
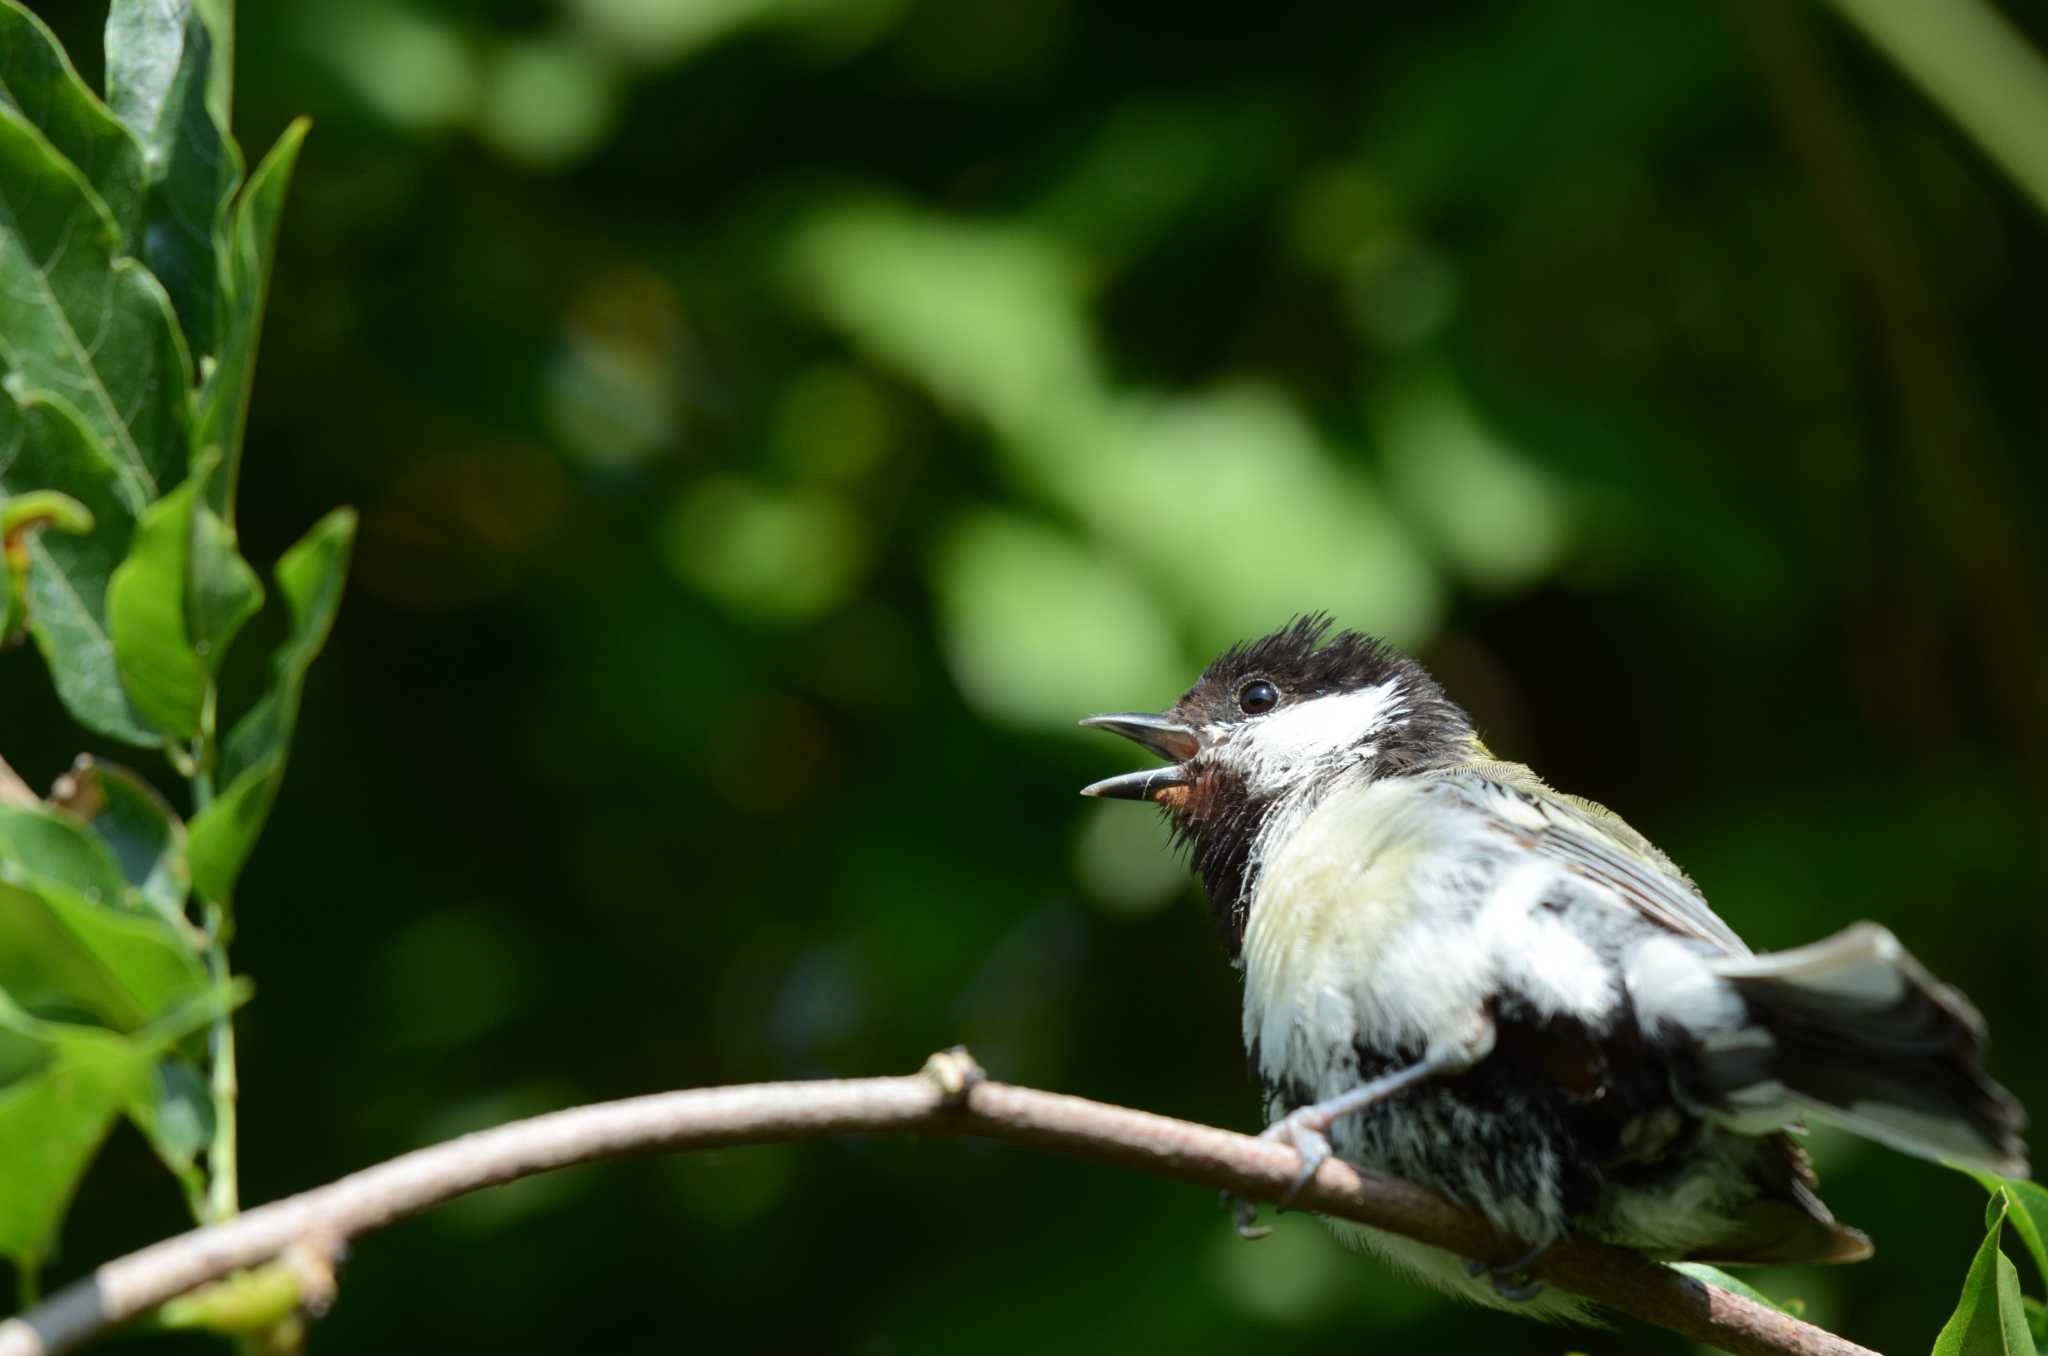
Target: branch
[
  {"x": 948, "y": 1098},
  {"x": 15, "y": 791}
]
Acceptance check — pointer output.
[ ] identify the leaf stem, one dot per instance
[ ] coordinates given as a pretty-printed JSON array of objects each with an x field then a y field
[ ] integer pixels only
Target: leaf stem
[
  {"x": 28, "y": 1283},
  {"x": 223, "y": 1168},
  {"x": 223, "y": 1194}
]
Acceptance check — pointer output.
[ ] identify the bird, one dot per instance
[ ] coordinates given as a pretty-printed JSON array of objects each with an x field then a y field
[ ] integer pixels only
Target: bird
[{"x": 1459, "y": 976}]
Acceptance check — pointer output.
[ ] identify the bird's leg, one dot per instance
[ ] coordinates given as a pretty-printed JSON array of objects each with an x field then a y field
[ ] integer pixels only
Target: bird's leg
[
  {"x": 1511, "y": 1279},
  {"x": 1306, "y": 1129}
]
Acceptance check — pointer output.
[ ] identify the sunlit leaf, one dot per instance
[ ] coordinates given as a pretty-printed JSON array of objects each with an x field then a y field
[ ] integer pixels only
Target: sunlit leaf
[
  {"x": 37, "y": 80},
  {"x": 253, "y": 757},
  {"x": 2025, "y": 1206},
  {"x": 164, "y": 675},
  {"x": 81, "y": 322},
  {"x": 222, "y": 591},
  {"x": 1989, "y": 1318},
  {"x": 251, "y": 244},
  {"x": 160, "y": 63}
]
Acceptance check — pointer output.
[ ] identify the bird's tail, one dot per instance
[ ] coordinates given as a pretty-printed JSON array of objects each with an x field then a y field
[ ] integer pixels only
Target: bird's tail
[{"x": 1866, "y": 1038}]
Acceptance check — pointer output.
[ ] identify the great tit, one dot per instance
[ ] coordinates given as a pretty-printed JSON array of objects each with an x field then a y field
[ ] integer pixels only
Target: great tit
[{"x": 1456, "y": 975}]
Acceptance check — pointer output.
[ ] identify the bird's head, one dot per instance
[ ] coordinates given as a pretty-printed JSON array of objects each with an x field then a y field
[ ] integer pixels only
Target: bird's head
[{"x": 1269, "y": 729}]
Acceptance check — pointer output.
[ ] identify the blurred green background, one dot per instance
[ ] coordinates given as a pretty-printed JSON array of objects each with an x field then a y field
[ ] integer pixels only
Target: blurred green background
[{"x": 775, "y": 421}]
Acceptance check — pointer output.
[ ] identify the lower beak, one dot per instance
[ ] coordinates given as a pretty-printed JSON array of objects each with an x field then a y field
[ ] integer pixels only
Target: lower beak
[{"x": 1166, "y": 737}]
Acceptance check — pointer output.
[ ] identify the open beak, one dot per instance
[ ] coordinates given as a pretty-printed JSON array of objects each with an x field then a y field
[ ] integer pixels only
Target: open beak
[{"x": 1167, "y": 738}]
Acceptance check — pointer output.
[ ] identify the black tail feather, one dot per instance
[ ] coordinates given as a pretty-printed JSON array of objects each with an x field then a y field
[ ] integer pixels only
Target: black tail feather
[{"x": 1866, "y": 1038}]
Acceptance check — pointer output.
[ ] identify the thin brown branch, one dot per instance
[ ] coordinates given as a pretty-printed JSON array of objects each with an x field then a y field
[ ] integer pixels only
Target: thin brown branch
[
  {"x": 13, "y": 790},
  {"x": 947, "y": 1098}
]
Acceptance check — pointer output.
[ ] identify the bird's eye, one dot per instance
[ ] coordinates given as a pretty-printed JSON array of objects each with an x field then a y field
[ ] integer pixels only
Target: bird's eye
[{"x": 1257, "y": 697}]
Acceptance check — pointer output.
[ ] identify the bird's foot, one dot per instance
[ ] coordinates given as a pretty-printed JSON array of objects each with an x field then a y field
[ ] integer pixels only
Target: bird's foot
[
  {"x": 1511, "y": 1279},
  {"x": 1302, "y": 1130},
  {"x": 1244, "y": 1217}
]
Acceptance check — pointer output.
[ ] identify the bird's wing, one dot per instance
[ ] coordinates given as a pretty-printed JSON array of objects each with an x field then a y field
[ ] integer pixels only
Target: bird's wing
[{"x": 1592, "y": 841}]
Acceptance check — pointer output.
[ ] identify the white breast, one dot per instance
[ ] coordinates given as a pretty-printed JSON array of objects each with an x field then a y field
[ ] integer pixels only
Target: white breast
[{"x": 1390, "y": 917}]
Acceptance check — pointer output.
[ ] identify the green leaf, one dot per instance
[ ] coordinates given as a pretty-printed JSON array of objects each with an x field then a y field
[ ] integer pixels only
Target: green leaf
[
  {"x": 42, "y": 508},
  {"x": 174, "y": 1112},
  {"x": 165, "y": 678},
  {"x": 44, "y": 446},
  {"x": 53, "y": 1121},
  {"x": 2027, "y": 1210},
  {"x": 38, "y": 80},
  {"x": 21, "y": 517},
  {"x": 252, "y": 244},
  {"x": 138, "y": 826},
  {"x": 1714, "y": 1276},
  {"x": 63, "y": 956},
  {"x": 52, "y": 846},
  {"x": 1989, "y": 1318},
  {"x": 222, "y": 591},
  {"x": 82, "y": 323},
  {"x": 253, "y": 756},
  {"x": 160, "y": 62}
]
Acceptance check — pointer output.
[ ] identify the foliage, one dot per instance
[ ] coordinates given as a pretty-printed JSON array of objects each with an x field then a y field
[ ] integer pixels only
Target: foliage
[{"x": 133, "y": 262}]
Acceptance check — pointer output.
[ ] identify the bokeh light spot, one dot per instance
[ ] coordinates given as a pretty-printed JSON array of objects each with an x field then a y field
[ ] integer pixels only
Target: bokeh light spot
[
  {"x": 832, "y": 423},
  {"x": 1123, "y": 859},
  {"x": 769, "y": 555},
  {"x": 1496, "y": 517},
  {"x": 1040, "y": 631},
  {"x": 548, "y": 102},
  {"x": 412, "y": 68}
]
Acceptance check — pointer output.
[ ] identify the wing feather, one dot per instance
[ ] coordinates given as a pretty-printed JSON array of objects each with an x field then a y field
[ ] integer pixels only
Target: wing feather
[{"x": 1592, "y": 841}]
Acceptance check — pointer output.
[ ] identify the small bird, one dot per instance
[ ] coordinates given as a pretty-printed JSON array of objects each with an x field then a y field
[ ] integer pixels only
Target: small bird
[{"x": 1458, "y": 976}]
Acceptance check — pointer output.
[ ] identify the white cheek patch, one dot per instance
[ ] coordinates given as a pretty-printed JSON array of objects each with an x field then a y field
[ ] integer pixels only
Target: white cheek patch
[{"x": 1299, "y": 738}]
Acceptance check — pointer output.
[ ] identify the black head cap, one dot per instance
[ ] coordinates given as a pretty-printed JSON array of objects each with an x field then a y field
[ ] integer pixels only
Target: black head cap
[{"x": 1247, "y": 742}]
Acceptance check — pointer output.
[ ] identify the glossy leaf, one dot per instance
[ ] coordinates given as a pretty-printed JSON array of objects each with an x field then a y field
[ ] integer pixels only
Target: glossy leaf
[
  {"x": 160, "y": 61},
  {"x": 251, "y": 245},
  {"x": 44, "y": 445},
  {"x": 38, "y": 81},
  {"x": 138, "y": 826},
  {"x": 253, "y": 757},
  {"x": 165, "y": 678},
  {"x": 1989, "y": 1318},
  {"x": 83, "y": 323}
]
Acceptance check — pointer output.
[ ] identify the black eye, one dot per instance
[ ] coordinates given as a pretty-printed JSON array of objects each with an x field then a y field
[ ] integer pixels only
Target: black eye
[{"x": 1257, "y": 697}]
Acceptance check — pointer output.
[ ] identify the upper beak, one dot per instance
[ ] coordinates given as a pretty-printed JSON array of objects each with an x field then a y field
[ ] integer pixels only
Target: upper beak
[{"x": 1165, "y": 737}]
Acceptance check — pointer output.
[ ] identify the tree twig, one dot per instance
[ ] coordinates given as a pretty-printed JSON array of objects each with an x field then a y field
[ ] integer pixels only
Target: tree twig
[
  {"x": 13, "y": 790},
  {"x": 948, "y": 1098}
]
